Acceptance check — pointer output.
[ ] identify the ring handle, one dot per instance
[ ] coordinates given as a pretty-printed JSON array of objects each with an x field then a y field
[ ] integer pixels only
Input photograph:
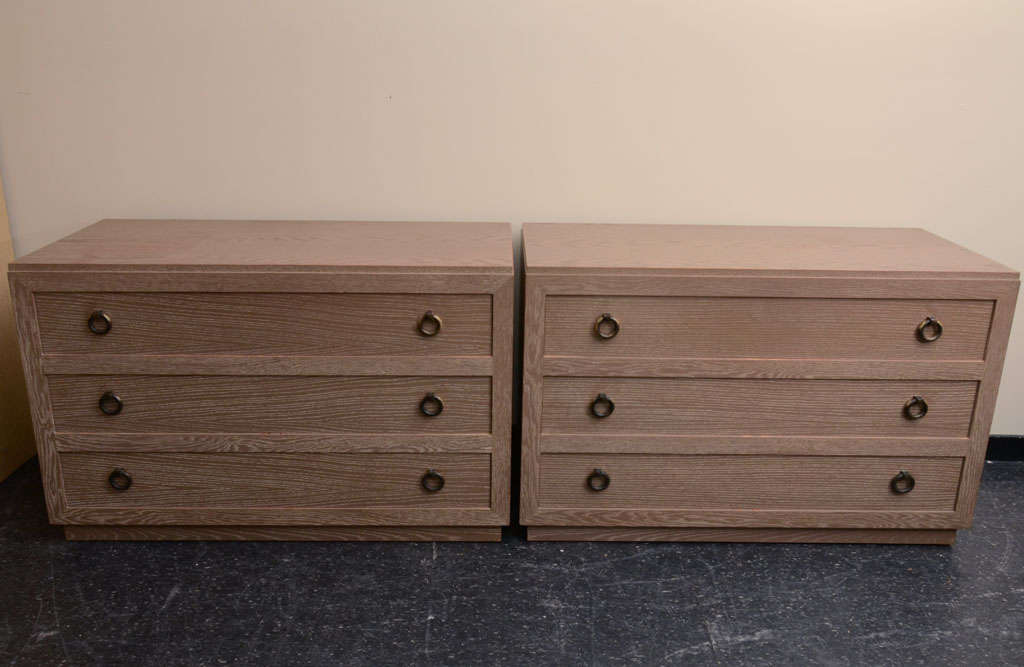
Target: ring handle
[
  {"x": 606, "y": 327},
  {"x": 100, "y": 323},
  {"x": 120, "y": 480},
  {"x": 915, "y": 408},
  {"x": 929, "y": 330},
  {"x": 431, "y": 405},
  {"x": 429, "y": 324},
  {"x": 902, "y": 483},
  {"x": 432, "y": 481},
  {"x": 598, "y": 480},
  {"x": 111, "y": 404},
  {"x": 602, "y": 406}
]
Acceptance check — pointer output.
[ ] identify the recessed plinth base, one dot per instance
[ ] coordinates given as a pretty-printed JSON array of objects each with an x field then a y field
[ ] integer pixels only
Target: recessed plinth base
[
  {"x": 288, "y": 533},
  {"x": 822, "y": 535}
]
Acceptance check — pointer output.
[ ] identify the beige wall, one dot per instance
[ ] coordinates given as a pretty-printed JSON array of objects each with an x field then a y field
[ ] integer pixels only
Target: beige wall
[{"x": 859, "y": 113}]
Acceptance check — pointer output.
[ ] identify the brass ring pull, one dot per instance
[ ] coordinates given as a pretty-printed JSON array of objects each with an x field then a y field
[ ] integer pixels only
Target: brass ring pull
[
  {"x": 929, "y": 330},
  {"x": 99, "y": 322},
  {"x": 432, "y": 481},
  {"x": 606, "y": 327},
  {"x": 120, "y": 480},
  {"x": 915, "y": 408},
  {"x": 111, "y": 404},
  {"x": 429, "y": 324},
  {"x": 431, "y": 405},
  {"x": 902, "y": 483},
  {"x": 602, "y": 406},
  {"x": 598, "y": 480}
]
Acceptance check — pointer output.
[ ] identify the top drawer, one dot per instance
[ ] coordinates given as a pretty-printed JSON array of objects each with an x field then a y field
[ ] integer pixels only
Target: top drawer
[
  {"x": 265, "y": 324},
  {"x": 773, "y": 328}
]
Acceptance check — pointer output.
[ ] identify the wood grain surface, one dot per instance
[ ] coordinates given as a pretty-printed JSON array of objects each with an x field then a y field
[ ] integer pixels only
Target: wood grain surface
[
  {"x": 274, "y": 404},
  {"x": 647, "y": 443},
  {"x": 816, "y": 535},
  {"x": 271, "y": 374},
  {"x": 774, "y": 328},
  {"x": 751, "y": 250},
  {"x": 279, "y": 245},
  {"x": 276, "y": 480},
  {"x": 287, "y": 533},
  {"x": 235, "y": 364},
  {"x": 757, "y": 407},
  {"x": 184, "y": 441},
  {"x": 748, "y": 482},
  {"x": 699, "y": 386},
  {"x": 265, "y": 324}
]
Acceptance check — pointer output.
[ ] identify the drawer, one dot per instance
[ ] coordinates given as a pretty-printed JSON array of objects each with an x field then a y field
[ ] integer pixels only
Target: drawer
[
  {"x": 775, "y": 328},
  {"x": 275, "y": 480},
  {"x": 271, "y": 404},
  {"x": 264, "y": 324},
  {"x": 688, "y": 406},
  {"x": 638, "y": 482}
]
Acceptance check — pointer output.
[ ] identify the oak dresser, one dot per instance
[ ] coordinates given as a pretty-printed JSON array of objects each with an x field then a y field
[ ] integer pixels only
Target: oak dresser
[
  {"x": 272, "y": 380},
  {"x": 691, "y": 383}
]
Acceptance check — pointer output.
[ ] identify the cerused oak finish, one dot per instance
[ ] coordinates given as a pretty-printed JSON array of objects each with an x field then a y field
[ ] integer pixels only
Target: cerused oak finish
[
  {"x": 271, "y": 380},
  {"x": 691, "y": 383}
]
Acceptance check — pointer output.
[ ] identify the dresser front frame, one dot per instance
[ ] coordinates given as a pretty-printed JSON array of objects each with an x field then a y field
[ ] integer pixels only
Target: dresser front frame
[
  {"x": 688, "y": 524},
  {"x": 242, "y": 523}
]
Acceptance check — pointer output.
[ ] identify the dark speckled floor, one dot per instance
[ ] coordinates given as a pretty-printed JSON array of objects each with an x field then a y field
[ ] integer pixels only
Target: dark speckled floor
[{"x": 511, "y": 603}]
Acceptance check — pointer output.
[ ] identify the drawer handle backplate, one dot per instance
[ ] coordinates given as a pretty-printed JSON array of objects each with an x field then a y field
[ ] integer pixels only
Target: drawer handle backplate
[
  {"x": 99, "y": 322},
  {"x": 120, "y": 480},
  {"x": 598, "y": 480},
  {"x": 431, "y": 405},
  {"x": 602, "y": 406},
  {"x": 929, "y": 330},
  {"x": 111, "y": 404},
  {"x": 915, "y": 408},
  {"x": 902, "y": 483},
  {"x": 606, "y": 327},
  {"x": 429, "y": 324},
  {"x": 432, "y": 481}
]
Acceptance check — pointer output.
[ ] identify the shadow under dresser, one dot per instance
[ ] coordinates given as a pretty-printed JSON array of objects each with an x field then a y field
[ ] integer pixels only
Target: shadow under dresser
[
  {"x": 715, "y": 383},
  {"x": 272, "y": 380}
]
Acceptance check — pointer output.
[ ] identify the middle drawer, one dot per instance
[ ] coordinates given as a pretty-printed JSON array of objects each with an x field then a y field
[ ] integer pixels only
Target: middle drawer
[
  {"x": 693, "y": 406},
  {"x": 269, "y": 404}
]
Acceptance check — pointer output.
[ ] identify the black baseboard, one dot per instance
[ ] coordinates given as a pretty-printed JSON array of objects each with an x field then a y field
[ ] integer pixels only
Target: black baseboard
[{"x": 1005, "y": 448}]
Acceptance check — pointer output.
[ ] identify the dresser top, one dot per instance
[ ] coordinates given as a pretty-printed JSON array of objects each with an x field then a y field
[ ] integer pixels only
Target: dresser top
[
  {"x": 271, "y": 245},
  {"x": 719, "y": 249}
]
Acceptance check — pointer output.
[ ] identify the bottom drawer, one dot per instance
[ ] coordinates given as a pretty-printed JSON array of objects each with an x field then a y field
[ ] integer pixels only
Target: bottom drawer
[
  {"x": 649, "y": 482},
  {"x": 306, "y": 480}
]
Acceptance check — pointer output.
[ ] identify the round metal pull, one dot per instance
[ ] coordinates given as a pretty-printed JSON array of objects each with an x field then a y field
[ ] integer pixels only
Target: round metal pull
[
  {"x": 606, "y": 327},
  {"x": 99, "y": 322},
  {"x": 902, "y": 483},
  {"x": 431, "y": 405},
  {"x": 915, "y": 408},
  {"x": 120, "y": 480},
  {"x": 432, "y": 481},
  {"x": 929, "y": 330},
  {"x": 429, "y": 324},
  {"x": 111, "y": 404},
  {"x": 598, "y": 480},
  {"x": 602, "y": 406}
]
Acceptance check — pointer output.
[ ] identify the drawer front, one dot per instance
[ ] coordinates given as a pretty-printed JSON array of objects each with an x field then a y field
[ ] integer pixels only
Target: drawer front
[
  {"x": 275, "y": 480},
  {"x": 271, "y": 404},
  {"x": 638, "y": 482},
  {"x": 237, "y": 323},
  {"x": 687, "y": 406},
  {"x": 775, "y": 328}
]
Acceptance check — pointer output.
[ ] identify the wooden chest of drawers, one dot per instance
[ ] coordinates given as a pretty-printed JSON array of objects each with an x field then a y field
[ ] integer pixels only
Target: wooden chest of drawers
[
  {"x": 756, "y": 383},
  {"x": 272, "y": 380}
]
